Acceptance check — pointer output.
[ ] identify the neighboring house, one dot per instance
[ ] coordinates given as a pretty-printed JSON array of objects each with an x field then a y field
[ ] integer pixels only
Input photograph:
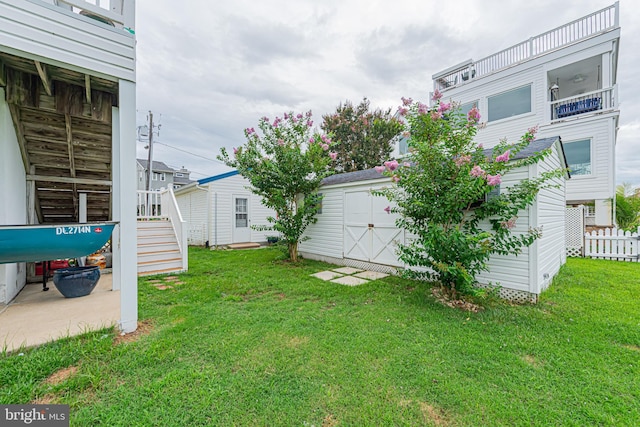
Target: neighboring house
[
  {"x": 355, "y": 229},
  {"x": 565, "y": 82},
  {"x": 221, "y": 210},
  {"x": 67, "y": 119},
  {"x": 162, "y": 176}
]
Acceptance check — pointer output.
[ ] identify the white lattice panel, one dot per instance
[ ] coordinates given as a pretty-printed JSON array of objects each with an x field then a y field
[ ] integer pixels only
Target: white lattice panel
[{"x": 574, "y": 230}]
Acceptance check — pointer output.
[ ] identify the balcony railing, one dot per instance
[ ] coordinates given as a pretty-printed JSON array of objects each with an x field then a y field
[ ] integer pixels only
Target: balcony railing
[
  {"x": 117, "y": 13},
  {"x": 598, "y": 22},
  {"x": 597, "y": 100}
]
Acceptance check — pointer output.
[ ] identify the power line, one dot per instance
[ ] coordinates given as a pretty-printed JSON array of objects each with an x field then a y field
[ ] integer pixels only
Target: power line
[{"x": 188, "y": 152}]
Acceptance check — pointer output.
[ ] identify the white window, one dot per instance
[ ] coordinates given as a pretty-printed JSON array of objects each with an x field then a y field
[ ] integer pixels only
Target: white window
[
  {"x": 465, "y": 108},
  {"x": 578, "y": 154},
  {"x": 162, "y": 177},
  {"x": 509, "y": 104}
]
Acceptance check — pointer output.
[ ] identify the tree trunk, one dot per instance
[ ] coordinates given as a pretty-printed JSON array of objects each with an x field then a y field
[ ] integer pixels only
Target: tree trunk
[{"x": 293, "y": 251}]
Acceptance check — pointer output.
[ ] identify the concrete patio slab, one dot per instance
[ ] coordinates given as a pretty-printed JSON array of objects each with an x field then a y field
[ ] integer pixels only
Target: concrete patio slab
[
  {"x": 371, "y": 275},
  {"x": 349, "y": 281},
  {"x": 327, "y": 275},
  {"x": 35, "y": 317},
  {"x": 347, "y": 270}
]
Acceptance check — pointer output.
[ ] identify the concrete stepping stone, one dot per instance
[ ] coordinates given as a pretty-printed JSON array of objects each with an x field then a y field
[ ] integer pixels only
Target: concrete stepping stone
[
  {"x": 327, "y": 275},
  {"x": 371, "y": 275},
  {"x": 347, "y": 270},
  {"x": 349, "y": 281}
]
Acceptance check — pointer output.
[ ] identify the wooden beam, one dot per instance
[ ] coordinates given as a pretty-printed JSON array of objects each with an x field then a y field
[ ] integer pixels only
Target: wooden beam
[
  {"x": 22, "y": 143},
  {"x": 46, "y": 81},
  {"x": 72, "y": 165},
  {"x": 3, "y": 79},
  {"x": 68, "y": 180},
  {"x": 87, "y": 87}
]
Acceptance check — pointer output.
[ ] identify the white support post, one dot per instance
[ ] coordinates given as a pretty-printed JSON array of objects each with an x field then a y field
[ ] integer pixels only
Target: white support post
[
  {"x": 124, "y": 248},
  {"x": 82, "y": 208}
]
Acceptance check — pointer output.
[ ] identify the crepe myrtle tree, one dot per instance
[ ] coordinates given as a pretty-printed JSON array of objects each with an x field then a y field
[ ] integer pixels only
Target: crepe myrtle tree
[
  {"x": 285, "y": 162},
  {"x": 363, "y": 137},
  {"x": 440, "y": 192}
]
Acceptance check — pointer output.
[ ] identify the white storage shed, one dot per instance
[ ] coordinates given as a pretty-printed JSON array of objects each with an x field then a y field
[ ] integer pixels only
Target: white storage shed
[
  {"x": 354, "y": 227},
  {"x": 220, "y": 210}
]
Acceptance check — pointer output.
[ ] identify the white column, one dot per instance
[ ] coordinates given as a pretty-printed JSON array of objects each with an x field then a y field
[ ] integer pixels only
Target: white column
[
  {"x": 82, "y": 209},
  {"x": 125, "y": 275},
  {"x": 603, "y": 213}
]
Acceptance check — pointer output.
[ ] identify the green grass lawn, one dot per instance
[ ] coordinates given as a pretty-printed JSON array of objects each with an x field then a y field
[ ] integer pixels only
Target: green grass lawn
[{"x": 250, "y": 340}]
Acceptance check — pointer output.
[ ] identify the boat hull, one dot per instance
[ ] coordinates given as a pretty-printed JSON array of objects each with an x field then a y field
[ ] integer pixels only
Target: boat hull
[{"x": 31, "y": 243}]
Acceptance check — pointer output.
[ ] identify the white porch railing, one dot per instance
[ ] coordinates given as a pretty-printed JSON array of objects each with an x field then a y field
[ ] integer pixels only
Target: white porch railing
[
  {"x": 612, "y": 244},
  {"x": 119, "y": 13},
  {"x": 163, "y": 205},
  {"x": 598, "y": 22},
  {"x": 597, "y": 100}
]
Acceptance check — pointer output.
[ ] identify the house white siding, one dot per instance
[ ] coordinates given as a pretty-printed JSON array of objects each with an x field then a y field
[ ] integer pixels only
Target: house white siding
[
  {"x": 550, "y": 204},
  {"x": 209, "y": 211},
  {"x": 600, "y": 183},
  {"x": 54, "y": 35},
  {"x": 13, "y": 194},
  {"x": 511, "y": 271},
  {"x": 193, "y": 207}
]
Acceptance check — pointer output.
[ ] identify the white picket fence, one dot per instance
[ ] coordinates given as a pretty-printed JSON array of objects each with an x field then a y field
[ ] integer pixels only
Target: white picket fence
[{"x": 613, "y": 244}]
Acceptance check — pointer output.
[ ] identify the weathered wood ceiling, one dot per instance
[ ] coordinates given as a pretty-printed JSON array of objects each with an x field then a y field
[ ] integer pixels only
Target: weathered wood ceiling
[{"x": 62, "y": 120}]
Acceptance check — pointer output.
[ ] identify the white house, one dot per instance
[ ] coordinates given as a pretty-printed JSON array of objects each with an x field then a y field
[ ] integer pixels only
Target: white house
[
  {"x": 565, "y": 82},
  {"x": 67, "y": 122},
  {"x": 221, "y": 210},
  {"x": 355, "y": 229}
]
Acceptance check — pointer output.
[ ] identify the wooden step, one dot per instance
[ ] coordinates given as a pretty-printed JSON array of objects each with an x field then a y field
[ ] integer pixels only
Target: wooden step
[
  {"x": 247, "y": 245},
  {"x": 162, "y": 271}
]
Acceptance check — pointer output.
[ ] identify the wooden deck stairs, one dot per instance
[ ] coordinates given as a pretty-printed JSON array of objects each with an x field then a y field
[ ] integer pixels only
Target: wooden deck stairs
[{"x": 158, "y": 249}]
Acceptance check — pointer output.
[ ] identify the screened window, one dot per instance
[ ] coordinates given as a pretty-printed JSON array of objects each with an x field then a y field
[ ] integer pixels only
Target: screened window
[
  {"x": 465, "y": 108},
  {"x": 403, "y": 146},
  {"x": 578, "y": 154},
  {"x": 509, "y": 104},
  {"x": 242, "y": 213}
]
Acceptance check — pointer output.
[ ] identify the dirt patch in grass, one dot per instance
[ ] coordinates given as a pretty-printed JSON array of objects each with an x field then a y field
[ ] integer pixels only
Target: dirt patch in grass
[
  {"x": 296, "y": 342},
  {"x": 144, "y": 327},
  {"x": 460, "y": 304},
  {"x": 432, "y": 414},
  {"x": 329, "y": 421},
  {"x": 47, "y": 399},
  {"x": 61, "y": 375},
  {"x": 632, "y": 347},
  {"x": 530, "y": 360}
]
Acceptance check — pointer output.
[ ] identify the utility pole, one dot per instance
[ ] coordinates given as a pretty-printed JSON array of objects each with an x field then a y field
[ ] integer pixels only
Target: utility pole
[{"x": 150, "y": 159}]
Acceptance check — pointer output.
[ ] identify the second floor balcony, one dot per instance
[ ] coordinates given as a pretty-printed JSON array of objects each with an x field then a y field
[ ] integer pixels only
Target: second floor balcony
[{"x": 597, "y": 101}]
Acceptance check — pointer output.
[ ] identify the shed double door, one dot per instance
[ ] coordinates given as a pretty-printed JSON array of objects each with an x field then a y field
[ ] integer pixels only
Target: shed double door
[{"x": 370, "y": 233}]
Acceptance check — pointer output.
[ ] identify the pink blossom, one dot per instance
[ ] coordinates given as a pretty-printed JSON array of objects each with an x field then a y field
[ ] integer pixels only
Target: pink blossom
[
  {"x": 309, "y": 123},
  {"x": 422, "y": 108},
  {"x": 462, "y": 160},
  {"x": 249, "y": 131},
  {"x": 533, "y": 130},
  {"x": 402, "y": 111},
  {"x": 509, "y": 224},
  {"x": 435, "y": 115},
  {"x": 406, "y": 164},
  {"x": 308, "y": 114},
  {"x": 235, "y": 151},
  {"x": 387, "y": 209},
  {"x": 480, "y": 146},
  {"x": 286, "y": 116},
  {"x": 406, "y": 134},
  {"x": 504, "y": 157},
  {"x": 379, "y": 169},
  {"x": 325, "y": 147},
  {"x": 280, "y": 142},
  {"x": 436, "y": 95},
  {"x": 443, "y": 107},
  {"x": 265, "y": 118},
  {"x": 311, "y": 140},
  {"x": 477, "y": 171},
  {"x": 473, "y": 115},
  {"x": 406, "y": 101},
  {"x": 299, "y": 116},
  {"x": 494, "y": 179},
  {"x": 333, "y": 155},
  {"x": 395, "y": 178},
  {"x": 391, "y": 165},
  {"x": 325, "y": 138}
]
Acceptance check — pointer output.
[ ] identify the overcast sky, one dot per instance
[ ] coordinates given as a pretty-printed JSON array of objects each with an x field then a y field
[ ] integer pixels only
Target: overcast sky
[{"x": 209, "y": 69}]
